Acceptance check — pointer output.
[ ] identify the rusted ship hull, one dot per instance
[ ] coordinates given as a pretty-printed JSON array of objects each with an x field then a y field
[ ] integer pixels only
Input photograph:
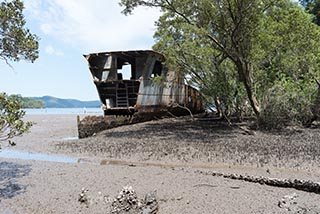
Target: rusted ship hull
[
  {"x": 179, "y": 99},
  {"x": 138, "y": 92}
]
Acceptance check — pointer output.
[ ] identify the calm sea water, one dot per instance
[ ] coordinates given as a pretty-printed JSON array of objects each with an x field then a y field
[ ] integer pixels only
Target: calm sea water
[{"x": 89, "y": 111}]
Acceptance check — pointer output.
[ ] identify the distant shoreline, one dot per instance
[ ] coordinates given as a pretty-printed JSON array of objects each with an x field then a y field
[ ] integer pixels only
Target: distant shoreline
[
  {"x": 75, "y": 111},
  {"x": 55, "y": 102}
]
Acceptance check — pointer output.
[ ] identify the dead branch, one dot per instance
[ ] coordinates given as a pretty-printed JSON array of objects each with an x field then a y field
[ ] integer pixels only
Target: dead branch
[{"x": 183, "y": 107}]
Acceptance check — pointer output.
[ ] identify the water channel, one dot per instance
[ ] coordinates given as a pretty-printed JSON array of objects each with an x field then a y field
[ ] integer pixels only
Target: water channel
[{"x": 24, "y": 155}]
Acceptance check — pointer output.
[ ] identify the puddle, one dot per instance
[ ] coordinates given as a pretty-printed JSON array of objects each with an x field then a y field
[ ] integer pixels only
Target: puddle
[
  {"x": 71, "y": 138},
  {"x": 16, "y": 154}
]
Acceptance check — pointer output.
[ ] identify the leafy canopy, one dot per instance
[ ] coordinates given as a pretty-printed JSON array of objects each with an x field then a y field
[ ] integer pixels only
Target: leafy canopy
[
  {"x": 313, "y": 7},
  {"x": 11, "y": 123},
  {"x": 16, "y": 41},
  {"x": 239, "y": 50}
]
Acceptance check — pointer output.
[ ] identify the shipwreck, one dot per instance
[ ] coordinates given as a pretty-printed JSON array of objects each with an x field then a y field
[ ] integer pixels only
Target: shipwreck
[
  {"x": 136, "y": 83},
  {"x": 130, "y": 82}
]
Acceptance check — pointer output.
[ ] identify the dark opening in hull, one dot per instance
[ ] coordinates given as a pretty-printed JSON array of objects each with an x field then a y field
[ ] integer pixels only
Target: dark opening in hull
[{"x": 118, "y": 97}]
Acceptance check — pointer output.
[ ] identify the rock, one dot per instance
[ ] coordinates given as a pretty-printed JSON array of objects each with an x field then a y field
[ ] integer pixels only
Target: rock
[
  {"x": 83, "y": 197},
  {"x": 128, "y": 202},
  {"x": 150, "y": 205},
  {"x": 289, "y": 203},
  {"x": 305, "y": 185},
  {"x": 150, "y": 197}
]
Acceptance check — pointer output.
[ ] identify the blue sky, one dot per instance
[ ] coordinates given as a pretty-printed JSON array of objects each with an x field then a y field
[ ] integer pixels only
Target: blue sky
[{"x": 68, "y": 29}]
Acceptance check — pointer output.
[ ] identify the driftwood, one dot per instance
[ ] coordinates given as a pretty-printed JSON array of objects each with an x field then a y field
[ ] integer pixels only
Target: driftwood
[{"x": 175, "y": 105}]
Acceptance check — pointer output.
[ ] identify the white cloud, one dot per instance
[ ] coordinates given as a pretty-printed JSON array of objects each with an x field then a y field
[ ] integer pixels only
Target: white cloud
[
  {"x": 52, "y": 51},
  {"x": 46, "y": 28},
  {"x": 95, "y": 25}
]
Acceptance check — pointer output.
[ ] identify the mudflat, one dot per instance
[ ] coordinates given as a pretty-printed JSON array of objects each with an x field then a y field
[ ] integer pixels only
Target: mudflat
[{"x": 186, "y": 161}]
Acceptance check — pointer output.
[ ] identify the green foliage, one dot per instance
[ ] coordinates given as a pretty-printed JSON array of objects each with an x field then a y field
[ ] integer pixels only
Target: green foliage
[
  {"x": 209, "y": 66},
  {"x": 313, "y": 7},
  {"x": 27, "y": 102},
  {"x": 243, "y": 51},
  {"x": 11, "y": 123},
  {"x": 158, "y": 79},
  {"x": 214, "y": 33},
  {"x": 287, "y": 60},
  {"x": 287, "y": 103},
  {"x": 16, "y": 41},
  {"x": 288, "y": 46},
  {"x": 31, "y": 103}
]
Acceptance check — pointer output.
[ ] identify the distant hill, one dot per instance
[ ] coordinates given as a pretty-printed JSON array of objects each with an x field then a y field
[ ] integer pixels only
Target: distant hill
[
  {"x": 27, "y": 102},
  {"x": 53, "y": 102}
]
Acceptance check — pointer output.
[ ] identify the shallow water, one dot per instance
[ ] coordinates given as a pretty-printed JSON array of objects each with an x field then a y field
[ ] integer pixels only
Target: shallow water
[
  {"x": 71, "y": 138},
  {"x": 77, "y": 111},
  {"x": 17, "y": 154}
]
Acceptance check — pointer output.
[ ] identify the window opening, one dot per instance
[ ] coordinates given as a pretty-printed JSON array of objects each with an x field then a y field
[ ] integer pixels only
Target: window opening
[
  {"x": 125, "y": 72},
  {"x": 157, "y": 69}
]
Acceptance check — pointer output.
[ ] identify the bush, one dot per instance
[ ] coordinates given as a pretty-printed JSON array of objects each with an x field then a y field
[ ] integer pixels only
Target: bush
[
  {"x": 287, "y": 103},
  {"x": 11, "y": 115}
]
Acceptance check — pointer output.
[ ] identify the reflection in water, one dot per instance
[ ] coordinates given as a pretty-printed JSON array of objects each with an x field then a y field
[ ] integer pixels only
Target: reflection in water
[{"x": 16, "y": 154}]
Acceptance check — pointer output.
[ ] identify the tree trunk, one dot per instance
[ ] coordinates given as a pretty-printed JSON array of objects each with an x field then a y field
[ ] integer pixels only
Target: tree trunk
[
  {"x": 316, "y": 105},
  {"x": 315, "y": 108},
  {"x": 218, "y": 107},
  {"x": 244, "y": 71}
]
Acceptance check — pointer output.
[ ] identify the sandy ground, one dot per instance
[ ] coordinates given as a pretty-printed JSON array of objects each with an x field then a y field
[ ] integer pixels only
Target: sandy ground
[{"x": 167, "y": 156}]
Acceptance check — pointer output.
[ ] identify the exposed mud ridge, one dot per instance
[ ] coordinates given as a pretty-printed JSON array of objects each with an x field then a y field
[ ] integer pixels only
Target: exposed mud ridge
[
  {"x": 304, "y": 185},
  {"x": 299, "y": 184},
  {"x": 202, "y": 140},
  {"x": 91, "y": 125}
]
